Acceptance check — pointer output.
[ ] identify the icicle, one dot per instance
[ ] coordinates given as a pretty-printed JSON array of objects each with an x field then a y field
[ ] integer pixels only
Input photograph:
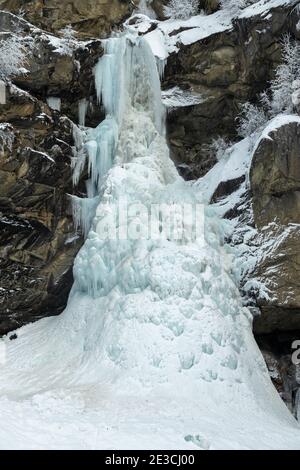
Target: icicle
[
  {"x": 54, "y": 103},
  {"x": 161, "y": 65},
  {"x": 78, "y": 137},
  {"x": 83, "y": 213},
  {"x": 78, "y": 165},
  {"x": 79, "y": 154},
  {"x": 82, "y": 110},
  {"x": 101, "y": 148}
]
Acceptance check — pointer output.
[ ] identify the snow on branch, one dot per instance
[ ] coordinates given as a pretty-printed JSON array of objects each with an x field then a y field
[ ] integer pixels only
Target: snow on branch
[
  {"x": 234, "y": 7},
  {"x": 181, "y": 9},
  {"x": 285, "y": 87},
  {"x": 283, "y": 96}
]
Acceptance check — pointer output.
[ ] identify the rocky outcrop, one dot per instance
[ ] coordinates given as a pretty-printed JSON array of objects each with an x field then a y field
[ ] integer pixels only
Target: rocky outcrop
[
  {"x": 38, "y": 240},
  {"x": 266, "y": 214},
  {"x": 37, "y": 237},
  {"x": 225, "y": 70},
  {"x": 275, "y": 176},
  {"x": 275, "y": 187},
  {"x": 56, "y": 67},
  {"x": 208, "y": 6},
  {"x": 90, "y": 18}
]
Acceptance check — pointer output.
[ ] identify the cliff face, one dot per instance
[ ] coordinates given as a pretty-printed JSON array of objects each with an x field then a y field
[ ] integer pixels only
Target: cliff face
[
  {"x": 275, "y": 184},
  {"x": 38, "y": 241},
  {"x": 90, "y": 18}
]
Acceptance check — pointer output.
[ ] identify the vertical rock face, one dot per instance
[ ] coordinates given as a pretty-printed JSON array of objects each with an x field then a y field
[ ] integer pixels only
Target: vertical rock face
[
  {"x": 208, "y": 6},
  {"x": 275, "y": 186},
  {"x": 92, "y": 18},
  {"x": 38, "y": 241}
]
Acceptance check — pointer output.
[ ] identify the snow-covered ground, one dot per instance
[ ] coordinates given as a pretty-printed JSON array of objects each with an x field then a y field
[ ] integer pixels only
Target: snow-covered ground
[{"x": 155, "y": 348}]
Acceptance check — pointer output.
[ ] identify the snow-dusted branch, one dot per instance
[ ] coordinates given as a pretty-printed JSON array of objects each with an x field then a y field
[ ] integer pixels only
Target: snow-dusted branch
[
  {"x": 12, "y": 56},
  {"x": 181, "y": 9}
]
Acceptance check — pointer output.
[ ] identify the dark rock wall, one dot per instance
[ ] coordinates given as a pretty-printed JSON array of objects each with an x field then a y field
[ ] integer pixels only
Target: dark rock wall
[
  {"x": 38, "y": 242},
  {"x": 275, "y": 187}
]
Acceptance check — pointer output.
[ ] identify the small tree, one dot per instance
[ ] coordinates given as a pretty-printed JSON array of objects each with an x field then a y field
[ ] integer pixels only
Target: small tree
[
  {"x": 287, "y": 75},
  {"x": 12, "y": 57},
  {"x": 181, "y": 9},
  {"x": 7, "y": 136},
  {"x": 233, "y": 6}
]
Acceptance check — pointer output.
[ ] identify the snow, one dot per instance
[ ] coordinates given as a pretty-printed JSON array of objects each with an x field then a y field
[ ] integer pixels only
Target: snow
[
  {"x": 163, "y": 41},
  {"x": 62, "y": 46},
  {"x": 235, "y": 163},
  {"x": 155, "y": 348},
  {"x": 167, "y": 35},
  {"x": 7, "y": 135},
  {"x": 275, "y": 123},
  {"x": 176, "y": 98},
  {"x": 41, "y": 154},
  {"x": 159, "y": 46},
  {"x": 264, "y": 6}
]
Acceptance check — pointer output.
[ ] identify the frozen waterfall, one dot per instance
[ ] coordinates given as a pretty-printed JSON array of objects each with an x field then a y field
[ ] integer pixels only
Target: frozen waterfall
[{"x": 155, "y": 348}]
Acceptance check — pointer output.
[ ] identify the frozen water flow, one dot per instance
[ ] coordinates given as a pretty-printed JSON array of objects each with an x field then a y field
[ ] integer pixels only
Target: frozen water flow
[{"x": 82, "y": 110}]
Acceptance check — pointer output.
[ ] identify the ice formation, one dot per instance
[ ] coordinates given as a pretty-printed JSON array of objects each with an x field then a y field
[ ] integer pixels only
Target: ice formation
[
  {"x": 54, "y": 103},
  {"x": 82, "y": 110},
  {"x": 155, "y": 348},
  {"x": 145, "y": 8}
]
